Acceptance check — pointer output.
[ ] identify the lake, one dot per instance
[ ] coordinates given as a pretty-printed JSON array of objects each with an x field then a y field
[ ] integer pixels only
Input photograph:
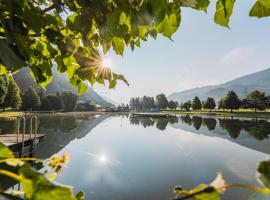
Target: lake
[{"x": 121, "y": 157}]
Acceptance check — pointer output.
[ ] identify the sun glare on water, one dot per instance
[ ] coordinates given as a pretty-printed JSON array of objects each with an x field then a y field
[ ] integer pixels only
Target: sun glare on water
[{"x": 102, "y": 158}]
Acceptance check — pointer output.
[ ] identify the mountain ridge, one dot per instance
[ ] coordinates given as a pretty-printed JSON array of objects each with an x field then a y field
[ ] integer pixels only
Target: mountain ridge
[
  {"x": 59, "y": 84},
  {"x": 242, "y": 85}
]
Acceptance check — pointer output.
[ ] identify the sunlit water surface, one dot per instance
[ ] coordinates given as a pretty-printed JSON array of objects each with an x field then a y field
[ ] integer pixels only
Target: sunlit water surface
[{"x": 117, "y": 157}]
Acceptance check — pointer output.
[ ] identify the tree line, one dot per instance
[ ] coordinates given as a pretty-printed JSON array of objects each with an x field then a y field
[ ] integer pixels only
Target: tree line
[
  {"x": 12, "y": 97},
  {"x": 255, "y": 100},
  {"x": 148, "y": 103}
]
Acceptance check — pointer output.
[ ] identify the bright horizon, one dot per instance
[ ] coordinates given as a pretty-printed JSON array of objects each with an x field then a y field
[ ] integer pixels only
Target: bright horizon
[{"x": 201, "y": 53}]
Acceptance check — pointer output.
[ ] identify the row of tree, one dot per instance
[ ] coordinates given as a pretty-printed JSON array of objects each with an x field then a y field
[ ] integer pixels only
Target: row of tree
[
  {"x": 147, "y": 102},
  {"x": 12, "y": 97},
  {"x": 254, "y": 100},
  {"x": 66, "y": 101}
]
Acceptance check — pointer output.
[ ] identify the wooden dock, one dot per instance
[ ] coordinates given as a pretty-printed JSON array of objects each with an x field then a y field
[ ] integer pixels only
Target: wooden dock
[
  {"x": 15, "y": 141},
  {"x": 152, "y": 115}
]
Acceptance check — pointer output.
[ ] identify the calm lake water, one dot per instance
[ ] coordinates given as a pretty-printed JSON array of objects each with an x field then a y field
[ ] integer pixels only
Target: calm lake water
[{"x": 121, "y": 157}]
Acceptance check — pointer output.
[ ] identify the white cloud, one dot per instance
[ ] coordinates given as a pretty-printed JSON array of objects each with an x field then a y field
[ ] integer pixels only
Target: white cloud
[{"x": 237, "y": 55}]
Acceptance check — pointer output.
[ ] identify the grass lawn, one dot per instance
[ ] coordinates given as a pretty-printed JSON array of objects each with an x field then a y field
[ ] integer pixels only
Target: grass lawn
[
  {"x": 240, "y": 112},
  {"x": 11, "y": 114}
]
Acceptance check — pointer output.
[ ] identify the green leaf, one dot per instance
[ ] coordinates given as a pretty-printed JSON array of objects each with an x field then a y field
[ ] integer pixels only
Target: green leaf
[
  {"x": 260, "y": 9},
  {"x": 118, "y": 45},
  {"x": 80, "y": 196},
  {"x": 9, "y": 58},
  {"x": 5, "y": 152},
  {"x": 169, "y": 24},
  {"x": 224, "y": 9},
  {"x": 196, "y": 4},
  {"x": 82, "y": 88},
  {"x": 264, "y": 173},
  {"x": 37, "y": 187}
]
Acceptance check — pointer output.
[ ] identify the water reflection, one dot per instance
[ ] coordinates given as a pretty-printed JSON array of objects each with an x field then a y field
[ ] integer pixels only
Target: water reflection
[{"x": 160, "y": 123}]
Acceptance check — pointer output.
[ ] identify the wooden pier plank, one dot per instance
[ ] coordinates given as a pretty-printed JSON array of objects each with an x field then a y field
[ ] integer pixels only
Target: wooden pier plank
[{"x": 11, "y": 139}]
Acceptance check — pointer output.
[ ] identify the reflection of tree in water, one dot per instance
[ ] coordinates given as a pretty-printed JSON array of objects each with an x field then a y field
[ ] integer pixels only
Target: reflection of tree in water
[
  {"x": 232, "y": 126},
  {"x": 210, "y": 123},
  {"x": 258, "y": 129},
  {"x": 58, "y": 123},
  {"x": 8, "y": 126},
  {"x": 197, "y": 122},
  {"x": 186, "y": 119},
  {"x": 161, "y": 122}
]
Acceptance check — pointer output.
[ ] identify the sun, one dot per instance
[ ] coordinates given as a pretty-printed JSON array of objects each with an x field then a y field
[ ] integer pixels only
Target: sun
[
  {"x": 107, "y": 62},
  {"x": 102, "y": 158}
]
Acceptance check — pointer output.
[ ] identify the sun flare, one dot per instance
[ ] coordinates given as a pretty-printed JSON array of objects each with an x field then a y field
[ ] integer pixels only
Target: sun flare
[{"x": 106, "y": 62}]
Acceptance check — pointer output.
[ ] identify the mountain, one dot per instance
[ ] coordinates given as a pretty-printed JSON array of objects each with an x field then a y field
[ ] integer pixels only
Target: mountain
[
  {"x": 110, "y": 101},
  {"x": 59, "y": 84},
  {"x": 242, "y": 86}
]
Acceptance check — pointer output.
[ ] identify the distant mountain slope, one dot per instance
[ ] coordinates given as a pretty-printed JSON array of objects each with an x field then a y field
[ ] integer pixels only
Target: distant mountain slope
[
  {"x": 58, "y": 84},
  {"x": 243, "y": 85}
]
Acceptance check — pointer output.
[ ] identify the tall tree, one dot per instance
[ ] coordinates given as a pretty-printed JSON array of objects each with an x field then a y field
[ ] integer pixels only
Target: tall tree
[
  {"x": 13, "y": 98},
  {"x": 45, "y": 104},
  {"x": 55, "y": 101},
  {"x": 186, "y": 105},
  {"x": 3, "y": 90},
  {"x": 196, "y": 103},
  {"x": 256, "y": 100},
  {"x": 209, "y": 103},
  {"x": 221, "y": 104},
  {"x": 232, "y": 101},
  {"x": 135, "y": 104},
  {"x": 69, "y": 101},
  {"x": 161, "y": 101},
  {"x": 30, "y": 100},
  {"x": 147, "y": 102},
  {"x": 172, "y": 104}
]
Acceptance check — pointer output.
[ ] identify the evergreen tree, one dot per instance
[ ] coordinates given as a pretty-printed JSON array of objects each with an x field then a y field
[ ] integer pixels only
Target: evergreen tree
[
  {"x": 196, "y": 103},
  {"x": 232, "y": 101},
  {"x": 221, "y": 104},
  {"x": 209, "y": 103},
  {"x": 3, "y": 90},
  {"x": 13, "y": 98},
  {"x": 30, "y": 100}
]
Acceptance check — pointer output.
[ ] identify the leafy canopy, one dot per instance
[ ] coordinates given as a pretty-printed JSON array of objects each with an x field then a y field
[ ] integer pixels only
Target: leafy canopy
[{"x": 69, "y": 34}]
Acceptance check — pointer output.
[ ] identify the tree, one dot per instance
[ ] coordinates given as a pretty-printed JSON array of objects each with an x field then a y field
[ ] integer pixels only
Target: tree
[
  {"x": 135, "y": 104},
  {"x": 186, "y": 105},
  {"x": 221, "y": 104},
  {"x": 13, "y": 98},
  {"x": 161, "y": 101},
  {"x": 256, "y": 100},
  {"x": 232, "y": 101},
  {"x": 45, "y": 104},
  {"x": 196, "y": 104},
  {"x": 55, "y": 101},
  {"x": 69, "y": 101},
  {"x": 209, "y": 103},
  {"x": 3, "y": 90},
  {"x": 30, "y": 100},
  {"x": 172, "y": 104},
  {"x": 147, "y": 103}
]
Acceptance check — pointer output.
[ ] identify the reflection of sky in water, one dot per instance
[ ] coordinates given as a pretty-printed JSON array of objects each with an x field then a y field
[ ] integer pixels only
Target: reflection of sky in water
[{"x": 134, "y": 162}]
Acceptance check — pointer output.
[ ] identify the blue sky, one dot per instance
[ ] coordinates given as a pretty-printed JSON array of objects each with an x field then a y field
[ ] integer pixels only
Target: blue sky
[{"x": 202, "y": 53}]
